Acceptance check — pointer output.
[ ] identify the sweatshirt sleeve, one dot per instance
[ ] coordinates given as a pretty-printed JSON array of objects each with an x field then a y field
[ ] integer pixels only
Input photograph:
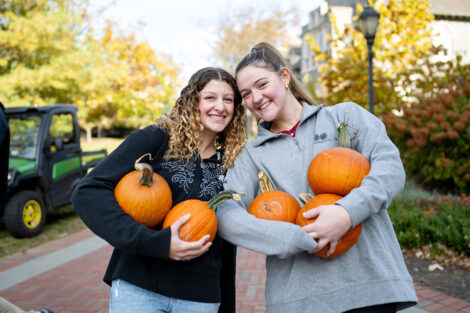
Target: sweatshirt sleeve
[
  {"x": 94, "y": 201},
  {"x": 386, "y": 177},
  {"x": 239, "y": 227}
]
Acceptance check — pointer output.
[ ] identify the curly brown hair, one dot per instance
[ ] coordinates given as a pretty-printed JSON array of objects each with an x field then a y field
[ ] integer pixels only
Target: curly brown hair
[{"x": 183, "y": 123}]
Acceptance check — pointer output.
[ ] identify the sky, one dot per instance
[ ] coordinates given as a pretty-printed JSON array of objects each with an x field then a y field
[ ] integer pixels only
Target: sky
[{"x": 186, "y": 29}]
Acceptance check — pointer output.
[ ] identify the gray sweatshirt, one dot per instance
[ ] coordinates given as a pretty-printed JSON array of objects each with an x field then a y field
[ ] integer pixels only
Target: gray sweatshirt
[{"x": 373, "y": 271}]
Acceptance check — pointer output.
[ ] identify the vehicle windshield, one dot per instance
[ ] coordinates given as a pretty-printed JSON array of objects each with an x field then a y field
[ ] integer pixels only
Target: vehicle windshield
[{"x": 24, "y": 133}]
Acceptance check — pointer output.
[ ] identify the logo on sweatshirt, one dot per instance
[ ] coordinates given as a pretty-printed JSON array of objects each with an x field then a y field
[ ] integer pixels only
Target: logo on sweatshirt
[{"x": 320, "y": 138}]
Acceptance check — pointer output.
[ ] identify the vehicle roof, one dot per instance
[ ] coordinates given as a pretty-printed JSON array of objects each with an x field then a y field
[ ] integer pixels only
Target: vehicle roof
[{"x": 42, "y": 109}]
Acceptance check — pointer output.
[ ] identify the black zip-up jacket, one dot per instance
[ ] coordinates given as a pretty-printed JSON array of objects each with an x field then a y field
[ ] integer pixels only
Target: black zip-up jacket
[{"x": 140, "y": 253}]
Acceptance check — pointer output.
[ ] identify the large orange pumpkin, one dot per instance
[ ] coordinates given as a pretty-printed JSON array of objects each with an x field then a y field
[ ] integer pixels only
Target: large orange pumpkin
[
  {"x": 346, "y": 242},
  {"x": 273, "y": 204},
  {"x": 202, "y": 221},
  {"x": 337, "y": 170},
  {"x": 144, "y": 195}
]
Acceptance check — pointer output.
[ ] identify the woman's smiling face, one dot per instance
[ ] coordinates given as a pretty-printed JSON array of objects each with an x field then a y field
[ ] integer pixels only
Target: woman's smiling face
[
  {"x": 216, "y": 105},
  {"x": 262, "y": 91}
]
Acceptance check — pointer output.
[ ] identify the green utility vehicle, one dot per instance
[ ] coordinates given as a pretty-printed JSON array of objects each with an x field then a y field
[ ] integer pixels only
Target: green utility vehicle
[{"x": 46, "y": 163}]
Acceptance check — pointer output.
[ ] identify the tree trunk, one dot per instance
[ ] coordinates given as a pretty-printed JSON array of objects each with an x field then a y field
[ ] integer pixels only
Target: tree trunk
[{"x": 88, "y": 133}]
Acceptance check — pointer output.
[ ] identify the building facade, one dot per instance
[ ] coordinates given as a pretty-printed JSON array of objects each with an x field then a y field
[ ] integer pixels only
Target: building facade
[
  {"x": 451, "y": 26},
  {"x": 319, "y": 26}
]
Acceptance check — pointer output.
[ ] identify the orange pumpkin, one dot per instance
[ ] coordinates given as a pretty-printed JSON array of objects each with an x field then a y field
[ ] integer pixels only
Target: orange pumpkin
[
  {"x": 144, "y": 195},
  {"x": 346, "y": 242},
  {"x": 203, "y": 220},
  {"x": 272, "y": 204},
  {"x": 337, "y": 170}
]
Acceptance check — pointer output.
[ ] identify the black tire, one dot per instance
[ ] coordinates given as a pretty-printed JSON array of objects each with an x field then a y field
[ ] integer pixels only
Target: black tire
[{"x": 25, "y": 214}]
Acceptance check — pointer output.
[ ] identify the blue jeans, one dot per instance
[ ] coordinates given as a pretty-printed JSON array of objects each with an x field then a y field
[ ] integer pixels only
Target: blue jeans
[{"x": 126, "y": 297}]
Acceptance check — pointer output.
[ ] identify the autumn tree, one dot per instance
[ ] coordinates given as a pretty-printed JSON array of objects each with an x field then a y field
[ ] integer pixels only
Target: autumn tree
[
  {"x": 240, "y": 30},
  {"x": 39, "y": 41},
  {"x": 51, "y": 54},
  {"x": 422, "y": 101},
  {"x": 403, "y": 41},
  {"x": 127, "y": 84}
]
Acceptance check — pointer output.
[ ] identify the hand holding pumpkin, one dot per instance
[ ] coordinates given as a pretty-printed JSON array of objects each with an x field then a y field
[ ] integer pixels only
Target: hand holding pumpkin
[
  {"x": 332, "y": 173},
  {"x": 333, "y": 229},
  {"x": 332, "y": 223},
  {"x": 181, "y": 250}
]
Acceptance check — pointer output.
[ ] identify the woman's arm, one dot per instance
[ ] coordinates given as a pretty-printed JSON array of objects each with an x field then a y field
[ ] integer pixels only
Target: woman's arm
[
  {"x": 386, "y": 177},
  {"x": 239, "y": 227},
  {"x": 379, "y": 187},
  {"x": 94, "y": 201}
]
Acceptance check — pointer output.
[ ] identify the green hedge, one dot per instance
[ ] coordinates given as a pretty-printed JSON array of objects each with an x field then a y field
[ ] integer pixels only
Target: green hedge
[{"x": 422, "y": 218}]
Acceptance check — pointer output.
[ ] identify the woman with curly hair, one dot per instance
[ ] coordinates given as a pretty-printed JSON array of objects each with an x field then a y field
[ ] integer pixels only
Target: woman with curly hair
[{"x": 152, "y": 269}]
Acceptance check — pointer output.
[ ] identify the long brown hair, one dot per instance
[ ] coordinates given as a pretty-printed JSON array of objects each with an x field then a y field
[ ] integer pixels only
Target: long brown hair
[
  {"x": 266, "y": 56},
  {"x": 183, "y": 123}
]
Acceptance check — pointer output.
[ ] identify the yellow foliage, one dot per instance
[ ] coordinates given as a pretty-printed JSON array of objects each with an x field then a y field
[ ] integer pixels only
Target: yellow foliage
[
  {"x": 54, "y": 56},
  {"x": 403, "y": 38},
  {"x": 240, "y": 30}
]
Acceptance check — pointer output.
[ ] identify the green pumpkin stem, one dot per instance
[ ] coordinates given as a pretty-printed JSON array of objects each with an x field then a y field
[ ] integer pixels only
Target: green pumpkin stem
[
  {"x": 146, "y": 169},
  {"x": 221, "y": 197},
  {"x": 344, "y": 140},
  {"x": 264, "y": 182}
]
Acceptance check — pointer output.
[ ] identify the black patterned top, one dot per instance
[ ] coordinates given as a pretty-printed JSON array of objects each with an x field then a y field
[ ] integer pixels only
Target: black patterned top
[{"x": 140, "y": 256}]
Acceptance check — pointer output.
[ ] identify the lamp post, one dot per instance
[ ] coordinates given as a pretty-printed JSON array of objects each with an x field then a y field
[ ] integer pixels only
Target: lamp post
[{"x": 368, "y": 22}]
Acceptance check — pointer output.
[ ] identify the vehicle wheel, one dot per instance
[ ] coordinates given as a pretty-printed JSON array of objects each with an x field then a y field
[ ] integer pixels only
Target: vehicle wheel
[{"x": 25, "y": 214}]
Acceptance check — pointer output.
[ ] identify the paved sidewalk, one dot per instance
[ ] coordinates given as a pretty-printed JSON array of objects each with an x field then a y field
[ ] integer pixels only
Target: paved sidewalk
[{"x": 65, "y": 276}]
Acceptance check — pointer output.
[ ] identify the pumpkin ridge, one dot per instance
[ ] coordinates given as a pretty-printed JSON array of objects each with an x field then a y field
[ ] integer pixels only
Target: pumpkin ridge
[
  {"x": 148, "y": 203},
  {"x": 203, "y": 219},
  {"x": 345, "y": 242},
  {"x": 273, "y": 205}
]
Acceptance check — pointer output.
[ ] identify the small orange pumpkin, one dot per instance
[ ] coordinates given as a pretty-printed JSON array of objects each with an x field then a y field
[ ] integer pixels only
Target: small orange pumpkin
[
  {"x": 203, "y": 220},
  {"x": 337, "y": 170},
  {"x": 144, "y": 195},
  {"x": 346, "y": 242},
  {"x": 273, "y": 204}
]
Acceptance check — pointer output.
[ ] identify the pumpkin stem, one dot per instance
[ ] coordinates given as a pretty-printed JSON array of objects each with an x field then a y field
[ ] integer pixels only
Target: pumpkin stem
[
  {"x": 305, "y": 197},
  {"x": 146, "y": 169},
  {"x": 344, "y": 140},
  {"x": 264, "y": 182},
  {"x": 221, "y": 197}
]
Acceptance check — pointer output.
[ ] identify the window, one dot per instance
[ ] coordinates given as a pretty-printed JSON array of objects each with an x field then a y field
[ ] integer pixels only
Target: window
[{"x": 62, "y": 128}]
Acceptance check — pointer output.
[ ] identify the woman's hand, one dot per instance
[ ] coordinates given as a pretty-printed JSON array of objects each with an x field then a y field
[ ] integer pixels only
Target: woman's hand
[
  {"x": 333, "y": 221},
  {"x": 181, "y": 250}
]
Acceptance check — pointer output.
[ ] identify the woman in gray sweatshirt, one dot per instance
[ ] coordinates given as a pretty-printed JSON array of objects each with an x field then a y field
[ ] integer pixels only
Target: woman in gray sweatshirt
[{"x": 369, "y": 277}]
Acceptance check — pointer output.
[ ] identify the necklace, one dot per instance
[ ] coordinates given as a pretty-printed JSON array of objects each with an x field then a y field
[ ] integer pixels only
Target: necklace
[{"x": 219, "y": 157}]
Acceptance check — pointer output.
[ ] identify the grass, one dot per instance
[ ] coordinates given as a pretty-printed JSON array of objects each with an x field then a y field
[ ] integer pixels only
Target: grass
[
  {"x": 100, "y": 143},
  {"x": 59, "y": 223}
]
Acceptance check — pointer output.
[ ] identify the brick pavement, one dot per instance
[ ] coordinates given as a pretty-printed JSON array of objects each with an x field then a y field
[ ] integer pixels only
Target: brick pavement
[{"x": 76, "y": 286}]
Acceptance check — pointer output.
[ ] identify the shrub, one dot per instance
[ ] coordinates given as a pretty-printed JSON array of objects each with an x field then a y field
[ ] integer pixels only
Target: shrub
[
  {"x": 433, "y": 132},
  {"x": 421, "y": 218}
]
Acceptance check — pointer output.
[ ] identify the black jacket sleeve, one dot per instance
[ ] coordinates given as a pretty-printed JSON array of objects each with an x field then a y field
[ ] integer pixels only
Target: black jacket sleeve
[
  {"x": 94, "y": 201},
  {"x": 227, "y": 278}
]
